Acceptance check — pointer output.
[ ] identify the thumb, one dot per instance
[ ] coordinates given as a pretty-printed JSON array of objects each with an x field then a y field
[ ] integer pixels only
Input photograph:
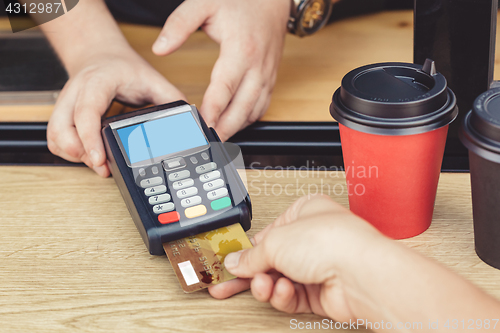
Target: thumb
[
  {"x": 247, "y": 263},
  {"x": 260, "y": 258},
  {"x": 185, "y": 20}
]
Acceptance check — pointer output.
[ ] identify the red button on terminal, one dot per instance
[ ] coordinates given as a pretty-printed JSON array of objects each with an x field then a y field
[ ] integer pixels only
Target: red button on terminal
[{"x": 168, "y": 217}]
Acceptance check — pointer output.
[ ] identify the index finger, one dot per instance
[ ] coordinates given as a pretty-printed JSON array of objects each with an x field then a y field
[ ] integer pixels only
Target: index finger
[{"x": 226, "y": 77}]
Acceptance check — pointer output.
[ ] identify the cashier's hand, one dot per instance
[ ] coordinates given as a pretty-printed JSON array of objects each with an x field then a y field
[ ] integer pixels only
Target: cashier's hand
[
  {"x": 251, "y": 36},
  {"x": 74, "y": 128},
  {"x": 307, "y": 245}
]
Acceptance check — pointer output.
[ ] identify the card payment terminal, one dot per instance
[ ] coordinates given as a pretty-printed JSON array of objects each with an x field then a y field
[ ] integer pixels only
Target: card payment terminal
[{"x": 176, "y": 177}]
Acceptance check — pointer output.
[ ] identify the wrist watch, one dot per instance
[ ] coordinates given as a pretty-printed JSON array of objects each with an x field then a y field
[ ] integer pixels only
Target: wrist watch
[{"x": 308, "y": 16}]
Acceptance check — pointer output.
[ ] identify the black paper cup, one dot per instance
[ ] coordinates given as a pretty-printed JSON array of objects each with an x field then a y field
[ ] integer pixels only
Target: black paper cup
[{"x": 480, "y": 133}]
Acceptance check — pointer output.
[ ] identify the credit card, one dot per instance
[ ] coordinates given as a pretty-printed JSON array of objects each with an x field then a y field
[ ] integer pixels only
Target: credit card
[{"x": 198, "y": 261}]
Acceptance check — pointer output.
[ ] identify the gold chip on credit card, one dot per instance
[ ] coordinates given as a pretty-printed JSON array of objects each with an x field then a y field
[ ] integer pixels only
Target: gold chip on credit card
[{"x": 198, "y": 261}]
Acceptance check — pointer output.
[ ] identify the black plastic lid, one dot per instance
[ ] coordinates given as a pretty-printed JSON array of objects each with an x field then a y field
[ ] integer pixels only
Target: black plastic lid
[
  {"x": 481, "y": 127},
  {"x": 394, "y": 99}
]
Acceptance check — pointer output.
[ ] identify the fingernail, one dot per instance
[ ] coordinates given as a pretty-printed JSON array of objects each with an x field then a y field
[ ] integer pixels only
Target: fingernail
[
  {"x": 100, "y": 170},
  {"x": 252, "y": 240},
  {"x": 161, "y": 45},
  {"x": 94, "y": 157},
  {"x": 232, "y": 260},
  {"x": 280, "y": 289}
]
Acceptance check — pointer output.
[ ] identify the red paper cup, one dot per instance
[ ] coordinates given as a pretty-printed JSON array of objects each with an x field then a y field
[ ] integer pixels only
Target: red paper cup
[
  {"x": 393, "y": 180},
  {"x": 393, "y": 120}
]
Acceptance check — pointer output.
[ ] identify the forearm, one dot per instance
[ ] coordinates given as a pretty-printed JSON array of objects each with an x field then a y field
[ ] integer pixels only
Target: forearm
[
  {"x": 84, "y": 31},
  {"x": 399, "y": 285}
]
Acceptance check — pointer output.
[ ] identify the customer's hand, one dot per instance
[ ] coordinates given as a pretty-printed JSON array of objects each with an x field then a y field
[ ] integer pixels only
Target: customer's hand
[
  {"x": 74, "y": 128},
  {"x": 318, "y": 257},
  {"x": 308, "y": 245},
  {"x": 251, "y": 36}
]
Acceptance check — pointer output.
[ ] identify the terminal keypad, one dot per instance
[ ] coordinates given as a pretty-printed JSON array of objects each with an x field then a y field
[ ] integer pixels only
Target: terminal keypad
[{"x": 189, "y": 185}]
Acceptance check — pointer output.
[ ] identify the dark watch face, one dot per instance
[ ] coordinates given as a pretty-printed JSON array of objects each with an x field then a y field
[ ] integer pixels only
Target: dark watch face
[{"x": 314, "y": 15}]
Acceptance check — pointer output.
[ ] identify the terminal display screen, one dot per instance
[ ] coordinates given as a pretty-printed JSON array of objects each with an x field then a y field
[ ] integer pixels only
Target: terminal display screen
[{"x": 161, "y": 137}]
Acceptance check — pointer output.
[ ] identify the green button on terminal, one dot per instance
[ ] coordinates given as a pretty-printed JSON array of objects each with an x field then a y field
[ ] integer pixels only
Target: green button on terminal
[{"x": 221, "y": 203}]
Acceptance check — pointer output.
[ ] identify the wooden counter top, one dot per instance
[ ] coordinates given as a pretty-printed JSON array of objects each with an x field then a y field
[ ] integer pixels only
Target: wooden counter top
[{"x": 71, "y": 259}]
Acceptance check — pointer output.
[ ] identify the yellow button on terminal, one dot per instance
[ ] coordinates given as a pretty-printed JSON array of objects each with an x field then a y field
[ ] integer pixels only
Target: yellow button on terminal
[{"x": 195, "y": 211}]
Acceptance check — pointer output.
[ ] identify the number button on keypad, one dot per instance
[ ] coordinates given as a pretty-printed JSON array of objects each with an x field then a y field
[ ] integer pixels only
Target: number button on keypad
[
  {"x": 155, "y": 190},
  {"x": 206, "y": 167},
  {"x": 151, "y": 182},
  {"x": 157, "y": 199},
  {"x": 179, "y": 175},
  {"x": 210, "y": 176},
  {"x": 213, "y": 185},
  {"x": 183, "y": 184},
  {"x": 187, "y": 192},
  {"x": 188, "y": 202}
]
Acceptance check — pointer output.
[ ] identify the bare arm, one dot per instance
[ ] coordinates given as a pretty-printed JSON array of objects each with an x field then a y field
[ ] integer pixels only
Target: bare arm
[
  {"x": 335, "y": 264},
  {"x": 87, "y": 29}
]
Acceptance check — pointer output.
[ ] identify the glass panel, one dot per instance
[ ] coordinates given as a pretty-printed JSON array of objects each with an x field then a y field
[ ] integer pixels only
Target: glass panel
[
  {"x": 310, "y": 71},
  {"x": 311, "y": 68}
]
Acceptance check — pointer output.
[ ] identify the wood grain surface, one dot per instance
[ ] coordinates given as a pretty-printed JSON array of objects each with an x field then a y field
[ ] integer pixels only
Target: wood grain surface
[{"x": 71, "y": 259}]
